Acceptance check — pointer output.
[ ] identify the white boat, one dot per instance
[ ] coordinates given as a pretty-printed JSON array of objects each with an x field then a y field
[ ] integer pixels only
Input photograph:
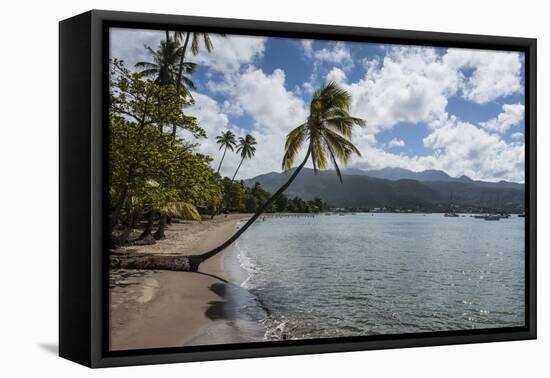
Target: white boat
[{"x": 451, "y": 215}]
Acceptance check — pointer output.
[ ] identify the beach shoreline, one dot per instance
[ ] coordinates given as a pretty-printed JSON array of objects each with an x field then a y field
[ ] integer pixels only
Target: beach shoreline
[{"x": 155, "y": 309}]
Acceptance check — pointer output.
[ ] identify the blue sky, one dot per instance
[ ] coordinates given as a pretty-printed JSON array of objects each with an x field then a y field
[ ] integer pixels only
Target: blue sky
[{"x": 461, "y": 111}]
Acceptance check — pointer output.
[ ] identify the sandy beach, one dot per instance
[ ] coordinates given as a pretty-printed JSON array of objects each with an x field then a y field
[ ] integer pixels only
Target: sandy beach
[{"x": 153, "y": 309}]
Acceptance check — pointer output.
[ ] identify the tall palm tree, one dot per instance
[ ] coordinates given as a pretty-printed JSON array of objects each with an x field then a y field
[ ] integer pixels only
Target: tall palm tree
[
  {"x": 164, "y": 66},
  {"x": 326, "y": 132},
  {"x": 226, "y": 141},
  {"x": 194, "y": 37},
  {"x": 246, "y": 149}
]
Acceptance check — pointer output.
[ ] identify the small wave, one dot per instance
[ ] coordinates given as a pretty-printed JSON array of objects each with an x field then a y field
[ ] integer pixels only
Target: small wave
[
  {"x": 249, "y": 266},
  {"x": 278, "y": 329}
]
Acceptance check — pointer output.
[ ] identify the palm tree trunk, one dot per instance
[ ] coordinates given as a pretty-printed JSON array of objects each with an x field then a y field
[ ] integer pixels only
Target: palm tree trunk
[
  {"x": 182, "y": 58},
  {"x": 118, "y": 208},
  {"x": 235, "y": 174},
  {"x": 130, "y": 224},
  {"x": 180, "y": 73},
  {"x": 221, "y": 161},
  {"x": 148, "y": 227},
  {"x": 191, "y": 263},
  {"x": 258, "y": 212},
  {"x": 159, "y": 234}
]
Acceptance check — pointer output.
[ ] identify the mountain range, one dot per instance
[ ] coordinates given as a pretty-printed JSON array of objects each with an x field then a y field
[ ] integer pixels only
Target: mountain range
[{"x": 429, "y": 190}]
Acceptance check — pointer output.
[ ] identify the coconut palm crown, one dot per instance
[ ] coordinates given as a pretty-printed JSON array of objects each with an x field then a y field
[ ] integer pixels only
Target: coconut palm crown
[
  {"x": 227, "y": 141},
  {"x": 327, "y": 131},
  {"x": 164, "y": 66},
  {"x": 246, "y": 149}
]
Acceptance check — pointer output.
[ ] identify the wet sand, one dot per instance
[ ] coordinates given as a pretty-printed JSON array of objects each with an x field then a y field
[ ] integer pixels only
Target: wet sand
[{"x": 154, "y": 309}]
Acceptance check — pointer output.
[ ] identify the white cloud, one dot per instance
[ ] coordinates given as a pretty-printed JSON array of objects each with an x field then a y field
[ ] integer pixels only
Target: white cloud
[
  {"x": 232, "y": 108},
  {"x": 308, "y": 88},
  {"x": 396, "y": 142},
  {"x": 459, "y": 148},
  {"x": 413, "y": 84},
  {"x": 512, "y": 114},
  {"x": 128, "y": 44},
  {"x": 494, "y": 73},
  {"x": 230, "y": 53},
  {"x": 409, "y": 85},
  {"x": 267, "y": 100},
  {"x": 274, "y": 115},
  {"x": 517, "y": 135},
  {"x": 464, "y": 149},
  {"x": 337, "y": 75},
  {"x": 211, "y": 116},
  {"x": 337, "y": 53},
  {"x": 275, "y": 112},
  {"x": 307, "y": 46}
]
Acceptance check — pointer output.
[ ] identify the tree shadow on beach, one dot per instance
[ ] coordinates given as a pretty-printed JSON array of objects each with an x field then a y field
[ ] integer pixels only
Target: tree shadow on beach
[
  {"x": 213, "y": 276},
  {"x": 223, "y": 309}
]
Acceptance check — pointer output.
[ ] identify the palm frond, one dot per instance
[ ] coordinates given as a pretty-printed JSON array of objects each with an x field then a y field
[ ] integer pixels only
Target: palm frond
[
  {"x": 208, "y": 42},
  {"x": 341, "y": 147},
  {"x": 294, "y": 141},
  {"x": 183, "y": 210},
  {"x": 195, "y": 43},
  {"x": 334, "y": 162}
]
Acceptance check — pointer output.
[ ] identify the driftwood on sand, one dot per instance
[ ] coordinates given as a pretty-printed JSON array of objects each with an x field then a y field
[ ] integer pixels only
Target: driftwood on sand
[{"x": 154, "y": 261}]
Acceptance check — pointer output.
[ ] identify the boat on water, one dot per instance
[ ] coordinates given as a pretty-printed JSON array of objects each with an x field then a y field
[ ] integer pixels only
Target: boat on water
[
  {"x": 492, "y": 217},
  {"x": 451, "y": 215},
  {"x": 522, "y": 215},
  {"x": 480, "y": 216}
]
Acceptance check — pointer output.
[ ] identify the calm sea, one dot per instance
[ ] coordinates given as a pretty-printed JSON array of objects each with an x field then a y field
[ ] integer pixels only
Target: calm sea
[{"x": 364, "y": 274}]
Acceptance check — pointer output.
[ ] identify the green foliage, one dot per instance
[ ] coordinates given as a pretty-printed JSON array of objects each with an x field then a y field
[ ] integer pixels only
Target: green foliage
[
  {"x": 157, "y": 172},
  {"x": 165, "y": 67},
  {"x": 226, "y": 140},
  {"x": 328, "y": 130},
  {"x": 239, "y": 198},
  {"x": 246, "y": 147},
  {"x": 182, "y": 210},
  {"x": 146, "y": 102}
]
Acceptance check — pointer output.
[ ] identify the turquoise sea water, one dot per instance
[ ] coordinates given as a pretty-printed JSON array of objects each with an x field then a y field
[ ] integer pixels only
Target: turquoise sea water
[{"x": 364, "y": 274}]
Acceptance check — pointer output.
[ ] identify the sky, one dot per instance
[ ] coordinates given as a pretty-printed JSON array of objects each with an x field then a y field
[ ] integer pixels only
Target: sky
[{"x": 456, "y": 110}]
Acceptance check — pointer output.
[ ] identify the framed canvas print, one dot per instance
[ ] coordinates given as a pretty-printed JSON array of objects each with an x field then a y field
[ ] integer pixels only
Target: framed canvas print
[{"x": 233, "y": 188}]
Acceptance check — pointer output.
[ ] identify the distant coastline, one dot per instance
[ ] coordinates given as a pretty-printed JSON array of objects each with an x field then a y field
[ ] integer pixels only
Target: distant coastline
[{"x": 430, "y": 192}]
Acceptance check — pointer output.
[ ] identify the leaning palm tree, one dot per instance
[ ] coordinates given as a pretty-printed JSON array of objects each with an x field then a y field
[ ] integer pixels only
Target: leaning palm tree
[
  {"x": 326, "y": 133},
  {"x": 226, "y": 141},
  {"x": 246, "y": 149}
]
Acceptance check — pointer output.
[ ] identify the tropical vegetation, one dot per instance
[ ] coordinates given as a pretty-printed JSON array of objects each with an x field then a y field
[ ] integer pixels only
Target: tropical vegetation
[{"x": 155, "y": 176}]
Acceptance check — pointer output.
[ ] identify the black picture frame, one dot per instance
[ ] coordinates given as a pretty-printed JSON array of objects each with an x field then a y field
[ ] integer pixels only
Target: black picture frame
[{"x": 83, "y": 287}]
